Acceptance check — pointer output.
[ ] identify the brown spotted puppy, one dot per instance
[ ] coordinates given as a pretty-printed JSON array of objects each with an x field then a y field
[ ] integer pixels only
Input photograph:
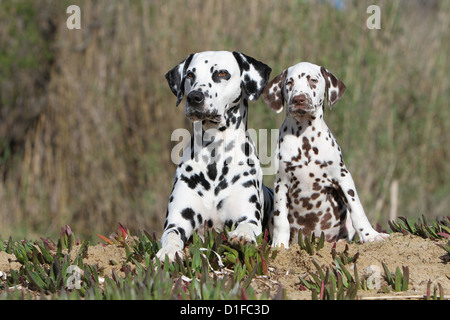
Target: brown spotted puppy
[{"x": 314, "y": 191}]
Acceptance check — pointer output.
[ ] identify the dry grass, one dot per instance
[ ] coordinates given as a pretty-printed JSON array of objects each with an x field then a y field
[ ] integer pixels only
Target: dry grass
[{"x": 95, "y": 146}]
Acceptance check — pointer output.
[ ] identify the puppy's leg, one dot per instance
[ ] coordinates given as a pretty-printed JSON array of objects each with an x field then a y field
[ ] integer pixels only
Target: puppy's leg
[
  {"x": 281, "y": 230},
  {"x": 358, "y": 217}
]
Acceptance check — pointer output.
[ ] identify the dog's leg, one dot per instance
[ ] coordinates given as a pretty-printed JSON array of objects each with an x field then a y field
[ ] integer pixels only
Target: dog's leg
[
  {"x": 181, "y": 221},
  {"x": 243, "y": 208}
]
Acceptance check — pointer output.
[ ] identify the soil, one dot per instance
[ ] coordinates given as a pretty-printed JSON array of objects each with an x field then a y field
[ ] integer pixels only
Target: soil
[{"x": 422, "y": 256}]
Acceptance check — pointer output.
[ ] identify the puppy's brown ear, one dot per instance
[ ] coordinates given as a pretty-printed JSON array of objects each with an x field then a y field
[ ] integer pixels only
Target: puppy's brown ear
[
  {"x": 334, "y": 88},
  {"x": 273, "y": 92}
]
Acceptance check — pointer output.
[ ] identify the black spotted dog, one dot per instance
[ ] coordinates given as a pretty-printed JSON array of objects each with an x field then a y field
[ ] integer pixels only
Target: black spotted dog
[
  {"x": 314, "y": 191},
  {"x": 218, "y": 181}
]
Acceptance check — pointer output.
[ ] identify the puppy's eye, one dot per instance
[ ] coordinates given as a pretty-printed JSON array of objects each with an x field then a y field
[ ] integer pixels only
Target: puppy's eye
[
  {"x": 314, "y": 80},
  {"x": 289, "y": 82},
  {"x": 190, "y": 75}
]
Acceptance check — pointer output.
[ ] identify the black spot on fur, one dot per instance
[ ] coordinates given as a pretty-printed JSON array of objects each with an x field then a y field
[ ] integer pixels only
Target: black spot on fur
[
  {"x": 222, "y": 185},
  {"x": 182, "y": 234},
  {"x": 212, "y": 171},
  {"x": 219, "y": 205},
  {"x": 196, "y": 179},
  {"x": 189, "y": 214},
  {"x": 235, "y": 178},
  {"x": 229, "y": 223},
  {"x": 249, "y": 183}
]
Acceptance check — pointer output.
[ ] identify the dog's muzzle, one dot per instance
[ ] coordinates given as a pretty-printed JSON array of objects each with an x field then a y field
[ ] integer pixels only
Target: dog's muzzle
[
  {"x": 196, "y": 110},
  {"x": 196, "y": 99}
]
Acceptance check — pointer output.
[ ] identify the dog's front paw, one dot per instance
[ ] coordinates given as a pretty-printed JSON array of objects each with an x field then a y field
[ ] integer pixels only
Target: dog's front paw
[
  {"x": 170, "y": 252},
  {"x": 242, "y": 234},
  {"x": 373, "y": 236},
  {"x": 171, "y": 245}
]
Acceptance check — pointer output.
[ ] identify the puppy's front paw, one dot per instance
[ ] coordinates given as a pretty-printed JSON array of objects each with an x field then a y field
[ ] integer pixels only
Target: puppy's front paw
[
  {"x": 373, "y": 236},
  {"x": 281, "y": 237},
  {"x": 279, "y": 242}
]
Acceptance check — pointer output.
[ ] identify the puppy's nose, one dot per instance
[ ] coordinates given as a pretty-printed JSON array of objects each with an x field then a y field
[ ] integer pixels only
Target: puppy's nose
[
  {"x": 299, "y": 99},
  {"x": 195, "y": 98}
]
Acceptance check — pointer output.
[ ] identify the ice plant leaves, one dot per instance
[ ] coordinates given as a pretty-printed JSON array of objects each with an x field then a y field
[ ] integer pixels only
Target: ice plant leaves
[{"x": 435, "y": 229}]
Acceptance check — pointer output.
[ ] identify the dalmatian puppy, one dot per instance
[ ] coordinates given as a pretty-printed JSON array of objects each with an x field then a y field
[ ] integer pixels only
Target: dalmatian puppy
[
  {"x": 313, "y": 189},
  {"x": 218, "y": 181}
]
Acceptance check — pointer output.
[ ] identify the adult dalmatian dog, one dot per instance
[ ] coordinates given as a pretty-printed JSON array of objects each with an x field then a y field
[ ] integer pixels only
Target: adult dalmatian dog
[
  {"x": 313, "y": 189},
  {"x": 218, "y": 181}
]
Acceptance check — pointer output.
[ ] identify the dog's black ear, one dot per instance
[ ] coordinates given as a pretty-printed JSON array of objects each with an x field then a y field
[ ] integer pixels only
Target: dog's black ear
[
  {"x": 254, "y": 75},
  {"x": 334, "y": 88},
  {"x": 175, "y": 78},
  {"x": 273, "y": 93}
]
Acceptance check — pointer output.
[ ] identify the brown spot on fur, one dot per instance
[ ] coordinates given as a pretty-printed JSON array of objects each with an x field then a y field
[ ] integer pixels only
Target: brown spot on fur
[
  {"x": 308, "y": 221},
  {"x": 316, "y": 186},
  {"x": 314, "y": 196},
  {"x": 297, "y": 157},
  {"x": 305, "y": 203},
  {"x": 326, "y": 223}
]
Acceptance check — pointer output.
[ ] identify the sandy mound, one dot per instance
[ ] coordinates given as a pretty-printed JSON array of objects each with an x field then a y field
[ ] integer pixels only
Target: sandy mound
[{"x": 422, "y": 256}]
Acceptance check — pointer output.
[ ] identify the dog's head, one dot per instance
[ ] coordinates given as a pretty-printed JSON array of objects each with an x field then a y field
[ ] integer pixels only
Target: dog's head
[
  {"x": 216, "y": 80},
  {"x": 303, "y": 87}
]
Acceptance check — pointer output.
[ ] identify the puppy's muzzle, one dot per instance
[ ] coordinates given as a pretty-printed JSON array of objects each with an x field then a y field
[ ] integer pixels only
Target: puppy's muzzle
[{"x": 301, "y": 104}]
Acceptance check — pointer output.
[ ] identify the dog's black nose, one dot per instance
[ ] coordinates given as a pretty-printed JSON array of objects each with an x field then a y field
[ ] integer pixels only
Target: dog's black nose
[{"x": 195, "y": 98}]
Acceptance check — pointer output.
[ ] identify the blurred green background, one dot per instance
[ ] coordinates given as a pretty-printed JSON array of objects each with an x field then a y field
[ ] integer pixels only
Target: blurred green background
[{"x": 86, "y": 115}]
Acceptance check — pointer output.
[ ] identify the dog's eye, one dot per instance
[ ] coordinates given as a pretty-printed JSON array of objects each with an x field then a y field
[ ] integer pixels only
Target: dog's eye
[
  {"x": 314, "y": 80},
  {"x": 223, "y": 73},
  {"x": 190, "y": 75},
  {"x": 220, "y": 75}
]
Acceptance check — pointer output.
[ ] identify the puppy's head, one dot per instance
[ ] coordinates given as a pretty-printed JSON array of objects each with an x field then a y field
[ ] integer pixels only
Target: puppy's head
[
  {"x": 215, "y": 80},
  {"x": 303, "y": 88}
]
